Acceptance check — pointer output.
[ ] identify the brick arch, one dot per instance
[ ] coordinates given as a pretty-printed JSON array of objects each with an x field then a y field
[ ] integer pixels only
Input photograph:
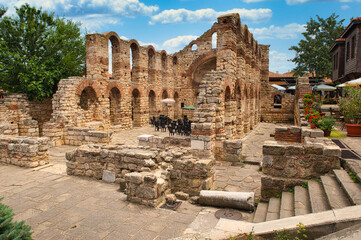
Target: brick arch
[
  {"x": 133, "y": 88},
  {"x": 135, "y": 42},
  {"x": 88, "y": 83},
  {"x": 151, "y": 89},
  {"x": 112, "y": 85},
  {"x": 230, "y": 91},
  {"x": 198, "y": 61},
  {"x": 176, "y": 91},
  {"x": 166, "y": 90}
]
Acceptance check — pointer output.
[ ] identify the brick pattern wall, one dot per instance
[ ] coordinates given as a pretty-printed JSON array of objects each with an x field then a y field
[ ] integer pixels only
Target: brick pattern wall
[
  {"x": 77, "y": 136},
  {"x": 293, "y": 134}
]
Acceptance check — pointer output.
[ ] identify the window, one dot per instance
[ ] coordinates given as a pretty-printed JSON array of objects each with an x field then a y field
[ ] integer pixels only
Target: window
[
  {"x": 348, "y": 51},
  {"x": 353, "y": 47},
  {"x": 277, "y": 101}
]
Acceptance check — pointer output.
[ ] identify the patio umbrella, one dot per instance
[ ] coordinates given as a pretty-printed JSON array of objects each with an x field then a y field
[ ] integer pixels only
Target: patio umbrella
[
  {"x": 355, "y": 82},
  {"x": 324, "y": 87},
  {"x": 292, "y": 88},
  {"x": 191, "y": 107},
  {"x": 168, "y": 100},
  {"x": 278, "y": 87},
  {"x": 341, "y": 85}
]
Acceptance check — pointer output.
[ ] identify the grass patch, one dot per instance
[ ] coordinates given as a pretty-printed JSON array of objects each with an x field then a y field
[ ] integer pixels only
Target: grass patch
[{"x": 336, "y": 134}]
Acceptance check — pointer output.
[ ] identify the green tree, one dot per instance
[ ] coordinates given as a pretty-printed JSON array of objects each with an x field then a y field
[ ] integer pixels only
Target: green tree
[
  {"x": 37, "y": 50},
  {"x": 12, "y": 230},
  {"x": 312, "y": 53}
]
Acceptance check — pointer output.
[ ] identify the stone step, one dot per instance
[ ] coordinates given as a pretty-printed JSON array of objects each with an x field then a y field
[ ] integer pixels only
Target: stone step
[
  {"x": 287, "y": 205},
  {"x": 318, "y": 197},
  {"x": 334, "y": 192},
  {"x": 273, "y": 211},
  {"x": 302, "y": 201},
  {"x": 353, "y": 190},
  {"x": 261, "y": 212}
]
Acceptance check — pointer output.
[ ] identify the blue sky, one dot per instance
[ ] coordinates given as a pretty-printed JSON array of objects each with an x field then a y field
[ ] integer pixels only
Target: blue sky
[{"x": 171, "y": 24}]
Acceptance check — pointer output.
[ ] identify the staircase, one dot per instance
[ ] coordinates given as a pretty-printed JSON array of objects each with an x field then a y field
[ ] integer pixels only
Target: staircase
[{"x": 332, "y": 192}]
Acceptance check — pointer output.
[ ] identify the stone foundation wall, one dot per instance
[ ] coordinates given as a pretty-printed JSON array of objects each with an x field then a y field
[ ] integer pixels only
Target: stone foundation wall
[
  {"x": 292, "y": 134},
  {"x": 163, "y": 142},
  {"x": 231, "y": 152},
  {"x": 24, "y": 151},
  {"x": 191, "y": 175},
  {"x": 7, "y": 128},
  {"x": 286, "y": 164},
  {"x": 41, "y": 111},
  {"x": 77, "y": 136},
  {"x": 146, "y": 188},
  {"x": 144, "y": 174},
  {"x": 15, "y": 111}
]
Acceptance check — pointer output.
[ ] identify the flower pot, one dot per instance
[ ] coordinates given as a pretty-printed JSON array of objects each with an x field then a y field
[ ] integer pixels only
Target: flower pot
[
  {"x": 322, "y": 114},
  {"x": 313, "y": 125},
  {"x": 353, "y": 130},
  {"x": 326, "y": 133}
]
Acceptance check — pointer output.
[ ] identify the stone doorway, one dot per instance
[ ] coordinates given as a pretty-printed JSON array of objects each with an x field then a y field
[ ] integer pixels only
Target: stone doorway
[
  {"x": 115, "y": 106},
  {"x": 152, "y": 104}
]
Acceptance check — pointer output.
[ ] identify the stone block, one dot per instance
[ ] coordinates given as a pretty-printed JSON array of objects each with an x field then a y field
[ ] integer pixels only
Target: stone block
[
  {"x": 332, "y": 151},
  {"x": 274, "y": 149},
  {"x": 108, "y": 176},
  {"x": 182, "y": 196},
  {"x": 145, "y": 137},
  {"x": 197, "y": 145},
  {"x": 134, "y": 177}
]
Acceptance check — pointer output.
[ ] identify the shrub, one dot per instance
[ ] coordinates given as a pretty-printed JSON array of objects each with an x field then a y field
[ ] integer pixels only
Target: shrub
[
  {"x": 12, "y": 230},
  {"x": 327, "y": 123}
]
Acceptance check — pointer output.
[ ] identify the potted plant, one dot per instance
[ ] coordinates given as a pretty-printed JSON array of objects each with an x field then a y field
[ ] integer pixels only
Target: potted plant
[
  {"x": 350, "y": 106},
  {"x": 313, "y": 118},
  {"x": 326, "y": 124}
]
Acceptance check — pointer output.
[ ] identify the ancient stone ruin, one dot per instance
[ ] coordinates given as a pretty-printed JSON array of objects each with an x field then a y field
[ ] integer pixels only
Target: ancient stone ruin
[{"x": 227, "y": 83}]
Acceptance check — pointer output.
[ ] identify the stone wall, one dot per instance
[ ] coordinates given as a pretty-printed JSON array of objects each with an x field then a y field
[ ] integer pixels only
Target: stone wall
[
  {"x": 24, "y": 151},
  {"x": 144, "y": 173},
  {"x": 41, "y": 112},
  {"x": 77, "y": 136},
  {"x": 278, "y": 113},
  {"x": 15, "y": 113},
  {"x": 292, "y": 134},
  {"x": 288, "y": 164},
  {"x": 231, "y": 151},
  {"x": 146, "y": 188},
  {"x": 164, "y": 142},
  {"x": 191, "y": 175}
]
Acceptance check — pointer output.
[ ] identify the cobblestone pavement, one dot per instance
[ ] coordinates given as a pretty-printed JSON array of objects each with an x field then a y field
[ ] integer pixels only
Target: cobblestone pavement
[
  {"x": 130, "y": 137},
  {"x": 57, "y": 206}
]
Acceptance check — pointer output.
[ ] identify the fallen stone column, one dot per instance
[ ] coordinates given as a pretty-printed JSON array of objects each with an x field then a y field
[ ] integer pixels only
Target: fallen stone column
[{"x": 239, "y": 200}]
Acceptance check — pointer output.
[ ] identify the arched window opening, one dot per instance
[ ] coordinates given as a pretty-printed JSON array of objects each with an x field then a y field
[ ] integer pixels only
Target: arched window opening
[
  {"x": 164, "y": 61},
  {"x": 164, "y": 105},
  {"x": 135, "y": 105},
  {"x": 115, "y": 107},
  {"x": 175, "y": 60},
  {"x": 152, "y": 104},
  {"x": 134, "y": 57},
  {"x": 194, "y": 47},
  {"x": 277, "y": 101},
  {"x": 110, "y": 57},
  {"x": 87, "y": 98},
  {"x": 214, "y": 40}
]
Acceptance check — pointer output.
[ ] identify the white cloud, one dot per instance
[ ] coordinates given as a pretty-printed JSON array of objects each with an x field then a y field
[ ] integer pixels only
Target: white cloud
[
  {"x": 77, "y": 8},
  {"x": 289, "y": 31},
  {"x": 209, "y": 15},
  {"x": 178, "y": 43},
  {"x": 344, "y": 7},
  {"x": 294, "y": 2},
  {"x": 278, "y": 61},
  {"x": 92, "y": 24}
]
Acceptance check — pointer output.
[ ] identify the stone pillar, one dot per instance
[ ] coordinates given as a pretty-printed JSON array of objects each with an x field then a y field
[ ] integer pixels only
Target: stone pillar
[
  {"x": 303, "y": 86},
  {"x": 97, "y": 56}
]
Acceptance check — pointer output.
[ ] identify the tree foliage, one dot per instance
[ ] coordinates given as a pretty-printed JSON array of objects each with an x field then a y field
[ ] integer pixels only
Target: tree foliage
[
  {"x": 12, "y": 230},
  {"x": 37, "y": 50},
  {"x": 312, "y": 53}
]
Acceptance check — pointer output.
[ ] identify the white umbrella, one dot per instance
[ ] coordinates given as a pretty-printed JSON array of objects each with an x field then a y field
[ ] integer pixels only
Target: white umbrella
[
  {"x": 292, "y": 88},
  {"x": 355, "y": 82},
  {"x": 350, "y": 83},
  {"x": 324, "y": 87},
  {"x": 168, "y": 100},
  {"x": 278, "y": 87}
]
